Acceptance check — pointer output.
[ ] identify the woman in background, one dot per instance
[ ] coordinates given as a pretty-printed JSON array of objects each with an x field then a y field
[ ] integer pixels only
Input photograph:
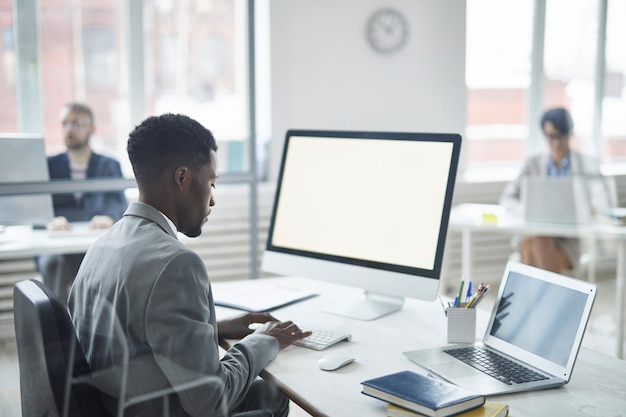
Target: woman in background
[{"x": 557, "y": 254}]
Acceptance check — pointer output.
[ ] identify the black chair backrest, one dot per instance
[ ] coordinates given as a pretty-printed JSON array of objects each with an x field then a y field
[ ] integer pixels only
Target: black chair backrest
[{"x": 45, "y": 334}]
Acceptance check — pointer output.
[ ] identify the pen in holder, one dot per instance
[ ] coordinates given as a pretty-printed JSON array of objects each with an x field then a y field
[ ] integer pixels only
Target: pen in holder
[{"x": 461, "y": 325}]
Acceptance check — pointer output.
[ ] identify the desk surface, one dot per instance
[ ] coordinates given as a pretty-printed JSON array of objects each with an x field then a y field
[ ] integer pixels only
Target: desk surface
[
  {"x": 494, "y": 217},
  {"x": 470, "y": 218},
  {"x": 24, "y": 241},
  {"x": 597, "y": 386}
]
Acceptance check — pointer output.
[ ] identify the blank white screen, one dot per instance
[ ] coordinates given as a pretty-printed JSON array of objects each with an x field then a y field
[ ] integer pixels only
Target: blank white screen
[{"x": 372, "y": 199}]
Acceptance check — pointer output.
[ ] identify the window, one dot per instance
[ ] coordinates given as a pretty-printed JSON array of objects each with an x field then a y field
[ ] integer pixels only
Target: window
[
  {"x": 195, "y": 64},
  {"x": 81, "y": 57},
  {"x": 569, "y": 63},
  {"x": 614, "y": 101},
  {"x": 8, "y": 68},
  {"x": 497, "y": 76},
  {"x": 100, "y": 61}
]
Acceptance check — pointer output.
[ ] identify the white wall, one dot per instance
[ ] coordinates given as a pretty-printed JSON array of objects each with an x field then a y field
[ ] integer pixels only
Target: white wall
[{"x": 325, "y": 76}]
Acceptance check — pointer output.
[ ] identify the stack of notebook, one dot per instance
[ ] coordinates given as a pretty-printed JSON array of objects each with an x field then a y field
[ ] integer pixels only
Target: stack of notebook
[
  {"x": 489, "y": 409},
  {"x": 412, "y": 394}
]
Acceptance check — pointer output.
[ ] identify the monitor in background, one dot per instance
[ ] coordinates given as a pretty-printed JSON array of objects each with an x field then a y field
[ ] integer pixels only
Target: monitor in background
[
  {"x": 364, "y": 209},
  {"x": 23, "y": 159}
]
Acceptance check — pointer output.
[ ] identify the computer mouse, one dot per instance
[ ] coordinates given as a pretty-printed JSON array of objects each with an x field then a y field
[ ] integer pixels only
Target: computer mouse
[{"x": 334, "y": 361}]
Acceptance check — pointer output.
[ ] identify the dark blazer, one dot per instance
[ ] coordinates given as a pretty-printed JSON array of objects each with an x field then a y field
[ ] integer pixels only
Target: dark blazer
[{"x": 112, "y": 203}]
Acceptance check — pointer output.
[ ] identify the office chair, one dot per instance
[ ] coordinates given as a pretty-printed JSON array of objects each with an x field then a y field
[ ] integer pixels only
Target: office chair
[
  {"x": 44, "y": 335},
  {"x": 49, "y": 352}
]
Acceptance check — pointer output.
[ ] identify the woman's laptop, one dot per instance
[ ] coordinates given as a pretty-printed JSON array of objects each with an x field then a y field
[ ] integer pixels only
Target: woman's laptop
[
  {"x": 537, "y": 325},
  {"x": 556, "y": 200}
]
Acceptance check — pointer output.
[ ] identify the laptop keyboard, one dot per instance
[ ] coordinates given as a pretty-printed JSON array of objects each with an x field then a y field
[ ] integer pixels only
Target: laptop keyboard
[
  {"x": 495, "y": 365},
  {"x": 321, "y": 338}
]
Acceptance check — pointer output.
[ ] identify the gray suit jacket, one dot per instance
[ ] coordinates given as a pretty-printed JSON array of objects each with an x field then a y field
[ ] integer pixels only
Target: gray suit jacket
[
  {"x": 160, "y": 292},
  {"x": 538, "y": 166}
]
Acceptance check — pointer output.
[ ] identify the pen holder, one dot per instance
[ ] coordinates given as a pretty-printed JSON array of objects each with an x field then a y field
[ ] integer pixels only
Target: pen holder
[{"x": 461, "y": 325}]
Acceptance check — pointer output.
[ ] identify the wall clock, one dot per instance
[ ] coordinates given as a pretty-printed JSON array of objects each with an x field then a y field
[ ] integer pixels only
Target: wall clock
[{"x": 387, "y": 30}]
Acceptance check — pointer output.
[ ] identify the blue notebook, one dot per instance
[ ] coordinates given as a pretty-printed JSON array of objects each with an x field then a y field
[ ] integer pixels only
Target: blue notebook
[{"x": 422, "y": 394}]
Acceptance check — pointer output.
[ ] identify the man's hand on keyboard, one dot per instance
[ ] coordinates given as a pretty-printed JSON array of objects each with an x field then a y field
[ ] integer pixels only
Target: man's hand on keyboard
[
  {"x": 286, "y": 332},
  {"x": 238, "y": 327}
]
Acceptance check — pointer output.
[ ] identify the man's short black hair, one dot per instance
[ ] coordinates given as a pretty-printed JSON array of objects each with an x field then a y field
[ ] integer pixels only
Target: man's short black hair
[
  {"x": 560, "y": 118},
  {"x": 165, "y": 141}
]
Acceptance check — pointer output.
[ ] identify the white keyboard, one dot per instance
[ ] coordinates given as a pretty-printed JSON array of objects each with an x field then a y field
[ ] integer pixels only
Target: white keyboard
[{"x": 322, "y": 338}]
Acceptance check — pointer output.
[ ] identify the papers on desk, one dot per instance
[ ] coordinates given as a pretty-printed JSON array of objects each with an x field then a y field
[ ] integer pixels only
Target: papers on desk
[
  {"x": 257, "y": 296},
  {"x": 489, "y": 214}
]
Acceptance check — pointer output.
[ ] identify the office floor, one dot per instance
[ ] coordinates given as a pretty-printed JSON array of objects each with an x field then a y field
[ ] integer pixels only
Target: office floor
[{"x": 600, "y": 336}]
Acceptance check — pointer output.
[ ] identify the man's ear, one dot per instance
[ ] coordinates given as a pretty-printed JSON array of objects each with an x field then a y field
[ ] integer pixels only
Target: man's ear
[{"x": 182, "y": 177}]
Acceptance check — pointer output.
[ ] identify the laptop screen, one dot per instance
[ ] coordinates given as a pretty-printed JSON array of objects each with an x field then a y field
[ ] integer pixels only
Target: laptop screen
[
  {"x": 23, "y": 159},
  {"x": 538, "y": 316}
]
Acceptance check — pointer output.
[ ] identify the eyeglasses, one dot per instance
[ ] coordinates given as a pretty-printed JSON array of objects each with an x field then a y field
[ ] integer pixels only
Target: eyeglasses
[
  {"x": 557, "y": 138},
  {"x": 75, "y": 125}
]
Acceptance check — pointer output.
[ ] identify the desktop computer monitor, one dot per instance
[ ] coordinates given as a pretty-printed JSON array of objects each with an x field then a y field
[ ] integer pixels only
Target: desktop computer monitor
[
  {"x": 364, "y": 209},
  {"x": 23, "y": 159}
]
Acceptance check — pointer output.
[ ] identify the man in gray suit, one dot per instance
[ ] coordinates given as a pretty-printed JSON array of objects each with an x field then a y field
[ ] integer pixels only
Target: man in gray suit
[{"x": 141, "y": 275}]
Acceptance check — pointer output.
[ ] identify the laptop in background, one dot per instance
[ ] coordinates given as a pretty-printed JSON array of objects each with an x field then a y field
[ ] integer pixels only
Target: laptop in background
[
  {"x": 560, "y": 200},
  {"x": 537, "y": 323},
  {"x": 23, "y": 159}
]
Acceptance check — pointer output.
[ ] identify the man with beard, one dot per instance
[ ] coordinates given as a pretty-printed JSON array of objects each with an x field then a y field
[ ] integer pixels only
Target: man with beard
[
  {"x": 100, "y": 209},
  {"x": 141, "y": 276}
]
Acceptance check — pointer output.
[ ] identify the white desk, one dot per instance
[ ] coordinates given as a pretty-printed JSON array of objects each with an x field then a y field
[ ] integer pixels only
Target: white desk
[
  {"x": 24, "y": 242},
  {"x": 468, "y": 218},
  {"x": 597, "y": 386}
]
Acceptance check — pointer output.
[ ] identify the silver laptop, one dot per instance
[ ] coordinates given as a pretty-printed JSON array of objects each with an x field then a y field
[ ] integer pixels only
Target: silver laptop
[
  {"x": 560, "y": 200},
  {"x": 23, "y": 159},
  {"x": 537, "y": 324}
]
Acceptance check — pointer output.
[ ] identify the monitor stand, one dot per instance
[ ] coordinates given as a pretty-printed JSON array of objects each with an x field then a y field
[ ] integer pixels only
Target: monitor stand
[{"x": 372, "y": 306}]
